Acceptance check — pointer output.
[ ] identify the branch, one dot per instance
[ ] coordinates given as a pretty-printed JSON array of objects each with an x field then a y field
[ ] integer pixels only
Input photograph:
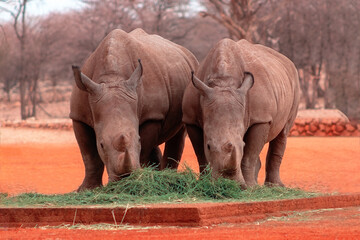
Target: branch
[
  {"x": 228, "y": 23},
  {"x": 8, "y": 11},
  {"x": 253, "y": 12},
  {"x": 15, "y": 15}
]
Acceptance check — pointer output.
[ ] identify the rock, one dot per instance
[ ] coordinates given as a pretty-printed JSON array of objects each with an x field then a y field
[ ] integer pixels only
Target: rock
[
  {"x": 294, "y": 133},
  {"x": 313, "y": 126},
  {"x": 349, "y": 127},
  {"x": 339, "y": 127},
  {"x": 322, "y": 127}
]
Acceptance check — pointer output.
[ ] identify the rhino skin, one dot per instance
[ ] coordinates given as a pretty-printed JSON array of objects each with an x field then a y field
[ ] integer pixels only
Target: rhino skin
[
  {"x": 244, "y": 96},
  {"x": 123, "y": 108}
]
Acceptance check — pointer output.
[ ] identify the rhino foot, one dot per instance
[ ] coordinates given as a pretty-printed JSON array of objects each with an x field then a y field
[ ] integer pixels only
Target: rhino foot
[
  {"x": 87, "y": 186},
  {"x": 274, "y": 184}
]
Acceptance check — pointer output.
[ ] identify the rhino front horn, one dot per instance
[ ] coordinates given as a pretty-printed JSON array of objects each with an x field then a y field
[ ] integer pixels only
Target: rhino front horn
[
  {"x": 204, "y": 89},
  {"x": 84, "y": 83}
]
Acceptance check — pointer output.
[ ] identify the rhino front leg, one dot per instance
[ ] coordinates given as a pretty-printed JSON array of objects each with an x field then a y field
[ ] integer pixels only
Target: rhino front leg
[
  {"x": 273, "y": 159},
  {"x": 174, "y": 148},
  {"x": 150, "y": 154},
  {"x": 94, "y": 167},
  {"x": 196, "y": 136},
  {"x": 257, "y": 169},
  {"x": 255, "y": 139}
]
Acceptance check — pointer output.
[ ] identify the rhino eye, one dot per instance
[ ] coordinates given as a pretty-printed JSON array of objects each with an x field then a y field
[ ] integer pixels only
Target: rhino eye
[
  {"x": 208, "y": 146},
  {"x": 101, "y": 145}
]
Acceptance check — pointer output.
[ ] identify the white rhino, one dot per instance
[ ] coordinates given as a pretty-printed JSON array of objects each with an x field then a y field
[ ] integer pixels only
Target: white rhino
[
  {"x": 245, "y": 96},
  {"x": 123, "y": 108}
]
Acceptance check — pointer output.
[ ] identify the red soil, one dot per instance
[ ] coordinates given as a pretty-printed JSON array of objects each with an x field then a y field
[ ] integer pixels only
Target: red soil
[
  {"x": 323, "y": 224},
  {"x": 312, "y": 163}
]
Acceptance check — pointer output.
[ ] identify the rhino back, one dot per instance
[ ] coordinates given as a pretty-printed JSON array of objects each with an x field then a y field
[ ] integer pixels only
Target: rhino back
[
  {"x": 166, "y": 72},
  {"x": 274, "y": 98}
]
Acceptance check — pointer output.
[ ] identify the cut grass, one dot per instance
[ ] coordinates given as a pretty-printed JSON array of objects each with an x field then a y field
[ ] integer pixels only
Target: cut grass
[{"x": 150, "y": 186}]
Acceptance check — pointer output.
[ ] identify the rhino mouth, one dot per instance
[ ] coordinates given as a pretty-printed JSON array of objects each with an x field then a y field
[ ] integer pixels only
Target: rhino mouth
[{"x": 118, "y": 177}]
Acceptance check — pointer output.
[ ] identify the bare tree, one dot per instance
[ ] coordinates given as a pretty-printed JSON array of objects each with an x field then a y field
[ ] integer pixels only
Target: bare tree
[
  {"x": 321, "y": 37},
  {"x": 7, "y": 64},
  {"x": 17, "y": 10},
  {"x": 162, "y": 17},
  {"x": 239, "y": 17}
]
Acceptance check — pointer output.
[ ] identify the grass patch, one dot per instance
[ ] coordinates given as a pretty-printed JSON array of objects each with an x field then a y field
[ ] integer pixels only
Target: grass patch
[{"x": 150, "y": 186}]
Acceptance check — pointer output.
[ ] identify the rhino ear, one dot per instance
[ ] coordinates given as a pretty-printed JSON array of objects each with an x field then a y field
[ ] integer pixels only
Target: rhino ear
[
  {"x": 204, "y": 89},
  {"x": 135, "y": 78},
  {"x": 247, "y": 83},
  {"x": 84, "y": 83}
]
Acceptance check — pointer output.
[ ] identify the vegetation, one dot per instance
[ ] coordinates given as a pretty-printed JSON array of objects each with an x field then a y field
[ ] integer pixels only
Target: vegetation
[
  {"x": 320, "y": 37},
  {"x": 168, "y": 186}
]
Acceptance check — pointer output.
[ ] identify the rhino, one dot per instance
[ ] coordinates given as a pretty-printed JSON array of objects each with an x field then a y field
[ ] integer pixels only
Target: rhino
[
  {"x": 127, "y": 101},
  {"x": 242, "y": 96}
]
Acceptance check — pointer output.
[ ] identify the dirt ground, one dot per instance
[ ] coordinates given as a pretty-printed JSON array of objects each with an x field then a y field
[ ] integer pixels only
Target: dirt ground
[
  {"x": 48, "y": 161},
  {"x": 322, "y": 224}
]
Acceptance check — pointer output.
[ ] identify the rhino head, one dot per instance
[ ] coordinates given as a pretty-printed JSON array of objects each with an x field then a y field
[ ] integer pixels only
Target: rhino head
[
  {"x": 224, "y": 119},
  {"x": 113, "y": 106}
]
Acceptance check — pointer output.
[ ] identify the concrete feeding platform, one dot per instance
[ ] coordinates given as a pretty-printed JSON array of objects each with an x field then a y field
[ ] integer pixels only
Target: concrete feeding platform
[{"x": 189, "y": 215}]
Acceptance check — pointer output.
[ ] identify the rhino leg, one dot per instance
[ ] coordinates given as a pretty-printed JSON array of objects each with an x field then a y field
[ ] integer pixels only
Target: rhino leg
[
  {"x": 150, "y": 154},
  {"x": 196, "y": 136},
  {"x": 174, "y": 148},
  {"x": 257, "y": 169},
  {"x": 255, "y": 139},
  {"x": 273, "y": 159},
  {"x": 94, "y": 167},
  {"x": 155, "y": 157}
]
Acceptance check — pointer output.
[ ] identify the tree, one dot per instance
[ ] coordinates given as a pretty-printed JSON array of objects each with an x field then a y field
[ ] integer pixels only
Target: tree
[
  {"x": 162, "y": 17},
  {"x": 238, "y": 16},
  {"x": 17, "y": 10},
  {"x": 7, "y": 64},
  {"x": 321, "y": 37}
]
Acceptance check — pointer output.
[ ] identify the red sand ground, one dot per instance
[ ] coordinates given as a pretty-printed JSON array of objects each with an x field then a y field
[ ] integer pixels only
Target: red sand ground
[
  {"x": 321, "y": 164},
  {"x": 331, "y": 224}
]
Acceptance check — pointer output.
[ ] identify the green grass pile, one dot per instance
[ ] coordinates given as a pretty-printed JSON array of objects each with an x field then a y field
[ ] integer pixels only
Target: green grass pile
[{"x": 150, "y": 186}]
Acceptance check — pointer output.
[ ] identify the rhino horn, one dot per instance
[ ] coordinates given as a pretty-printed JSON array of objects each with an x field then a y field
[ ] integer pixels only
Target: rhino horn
[
  {"x": 201, "y": 86},
  {"x": 232, "y": 162},
  {"x": 127, "y": 161},
  {"x": 135, "y": 77},
  {"x": 119, "y": 143},
  {"x": 84, "y": 83},
  {"x": 247, "y": 83},
  {"x": 228, "y": 147}
]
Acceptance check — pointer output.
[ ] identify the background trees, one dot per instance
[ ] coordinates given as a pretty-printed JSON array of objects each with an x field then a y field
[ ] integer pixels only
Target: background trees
[{"x": 321, "y": 37}]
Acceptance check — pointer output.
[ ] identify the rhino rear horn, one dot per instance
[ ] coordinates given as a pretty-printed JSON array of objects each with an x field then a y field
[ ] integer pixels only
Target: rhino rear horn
[
  {"x": 247, "y": 83},
  {"x": 135, "y": 78},
  {"x": 204, "y": 89},
  {"x": 83, "y": 82}
]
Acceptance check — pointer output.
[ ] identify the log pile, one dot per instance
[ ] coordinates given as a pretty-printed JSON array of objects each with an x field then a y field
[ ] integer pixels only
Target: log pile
[
  {"x": 324, "y": 128},
  {"x": 323, "y": 123}
]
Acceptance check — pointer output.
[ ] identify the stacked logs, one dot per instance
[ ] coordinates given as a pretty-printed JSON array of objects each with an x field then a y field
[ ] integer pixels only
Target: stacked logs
[{"x": 324, "y": 128}]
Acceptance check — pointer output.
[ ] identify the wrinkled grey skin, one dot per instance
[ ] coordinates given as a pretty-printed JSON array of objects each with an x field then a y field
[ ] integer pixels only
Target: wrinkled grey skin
[
  {"x": 243, "y": 96},
  {"x": 122, "y": 109}
]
